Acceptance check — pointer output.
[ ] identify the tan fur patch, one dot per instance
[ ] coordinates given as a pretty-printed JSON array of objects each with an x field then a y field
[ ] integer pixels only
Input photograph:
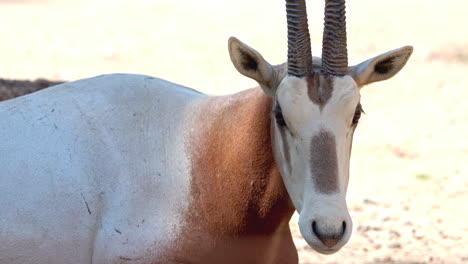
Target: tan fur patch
[{"x": 238, "y": 195}]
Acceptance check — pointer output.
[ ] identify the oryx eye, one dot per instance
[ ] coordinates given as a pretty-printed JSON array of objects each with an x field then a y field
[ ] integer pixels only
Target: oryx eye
[
  {"x": 357, "y": 114},
  {"x": 279, "y": 116}
]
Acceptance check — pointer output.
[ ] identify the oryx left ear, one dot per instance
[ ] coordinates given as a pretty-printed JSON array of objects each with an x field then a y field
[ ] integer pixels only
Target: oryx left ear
[
  {"x": 380, "y": 68},
  {"x": 250, "y": 63}
]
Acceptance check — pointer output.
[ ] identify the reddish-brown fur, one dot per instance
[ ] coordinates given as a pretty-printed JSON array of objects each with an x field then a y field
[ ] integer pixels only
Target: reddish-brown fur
[{"x": 240, "y": 209}]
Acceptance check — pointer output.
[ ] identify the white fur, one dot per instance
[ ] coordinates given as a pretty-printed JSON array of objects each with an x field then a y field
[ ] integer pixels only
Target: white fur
[
  {"x": 306, "y": 119},
  {"x": 113, "y": 144}
]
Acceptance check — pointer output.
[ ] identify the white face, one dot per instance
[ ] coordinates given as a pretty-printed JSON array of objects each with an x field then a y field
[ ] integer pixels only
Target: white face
[{"x": 313, "y": 133}]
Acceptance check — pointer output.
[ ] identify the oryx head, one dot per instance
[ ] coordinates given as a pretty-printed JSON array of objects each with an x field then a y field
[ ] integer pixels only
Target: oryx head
[{"x": 316, "y": 108}]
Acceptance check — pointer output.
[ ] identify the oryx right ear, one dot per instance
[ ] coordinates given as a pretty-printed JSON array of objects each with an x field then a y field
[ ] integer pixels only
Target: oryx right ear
[
  {"x": 251, "y": 64},
  {"x": 380, "y": 68}
]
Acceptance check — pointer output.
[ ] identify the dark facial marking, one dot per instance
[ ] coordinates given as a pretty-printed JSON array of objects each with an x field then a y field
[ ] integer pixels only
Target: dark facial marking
[
  {"x": 324, "y": 162},
  {"x": 283, "y": 130},
  {"x": 287, "y": 155},
  {"x": 357, "y": 114},
  {"x": 248, "y": 62},
  {"x": 313, "y": 84},
  {"x": 326, "y": 88},
  {"x": 319, "y": 88},
  {"x": 278, "y": 113},
  {"x": 384, "y": 66}
]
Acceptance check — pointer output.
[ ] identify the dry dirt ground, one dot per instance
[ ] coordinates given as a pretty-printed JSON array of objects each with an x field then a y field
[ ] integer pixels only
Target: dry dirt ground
[{"x": 408, "y": 193}]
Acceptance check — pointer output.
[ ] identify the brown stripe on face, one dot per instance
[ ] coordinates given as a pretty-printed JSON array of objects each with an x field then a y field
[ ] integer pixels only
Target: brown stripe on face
[
  {"x": 319, "y": 88},
  {"x": 287, "y": 154},
  {"x": 324, "y": 162}
]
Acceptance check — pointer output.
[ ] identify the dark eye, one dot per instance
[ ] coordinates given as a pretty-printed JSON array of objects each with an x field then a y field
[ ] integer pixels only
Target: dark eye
[
  {"x": 357, "y": 114},
  {"x": 279, "y": 116}
]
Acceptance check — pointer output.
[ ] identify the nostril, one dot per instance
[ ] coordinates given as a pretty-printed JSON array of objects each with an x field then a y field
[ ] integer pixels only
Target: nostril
[
  {"x": 329, "y": 237},
  {"x": 343, "y": 230},
  {"x": 314, "y": 228}
]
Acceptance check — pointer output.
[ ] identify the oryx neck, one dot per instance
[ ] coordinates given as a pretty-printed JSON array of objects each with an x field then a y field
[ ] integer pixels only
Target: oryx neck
[{"x": 236, "y": 186}]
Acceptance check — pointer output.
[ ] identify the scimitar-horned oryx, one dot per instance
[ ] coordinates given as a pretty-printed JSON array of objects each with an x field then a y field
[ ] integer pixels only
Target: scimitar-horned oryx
[{"x": 133, "y": 169}]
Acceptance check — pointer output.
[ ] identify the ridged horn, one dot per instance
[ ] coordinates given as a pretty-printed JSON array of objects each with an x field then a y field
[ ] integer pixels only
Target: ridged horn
[
  {"x": 299, "y": 50},
  {"x": 334, "y": 47}
]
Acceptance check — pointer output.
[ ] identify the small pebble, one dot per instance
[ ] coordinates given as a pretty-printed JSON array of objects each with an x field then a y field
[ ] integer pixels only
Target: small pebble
[{"x": 394, "y": 245}]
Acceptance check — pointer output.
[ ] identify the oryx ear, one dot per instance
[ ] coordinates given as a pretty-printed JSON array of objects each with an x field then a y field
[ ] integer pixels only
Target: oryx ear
[
  {"x": 251, "y": 64},
  {"x": 382, "y": 67}
]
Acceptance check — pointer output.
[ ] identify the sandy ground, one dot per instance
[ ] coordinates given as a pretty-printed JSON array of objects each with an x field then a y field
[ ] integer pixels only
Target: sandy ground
[{"x": 408, "y": 193}]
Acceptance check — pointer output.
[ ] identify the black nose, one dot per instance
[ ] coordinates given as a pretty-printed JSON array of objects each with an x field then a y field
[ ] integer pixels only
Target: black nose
[{"x": 328, "y": 235}]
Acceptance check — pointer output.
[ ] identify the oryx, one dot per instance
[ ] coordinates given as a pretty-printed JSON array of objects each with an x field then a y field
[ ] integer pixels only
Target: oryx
[{"x": 132, "y": 169}]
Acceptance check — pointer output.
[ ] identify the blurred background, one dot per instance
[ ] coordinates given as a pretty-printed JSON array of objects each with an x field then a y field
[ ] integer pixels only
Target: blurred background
[{"x": 408, "y": 192}]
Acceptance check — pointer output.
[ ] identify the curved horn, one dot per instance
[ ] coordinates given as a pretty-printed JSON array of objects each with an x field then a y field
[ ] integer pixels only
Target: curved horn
[
  {"x": 334, "y": 47},
  {"x": 299, "y": 50}
]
